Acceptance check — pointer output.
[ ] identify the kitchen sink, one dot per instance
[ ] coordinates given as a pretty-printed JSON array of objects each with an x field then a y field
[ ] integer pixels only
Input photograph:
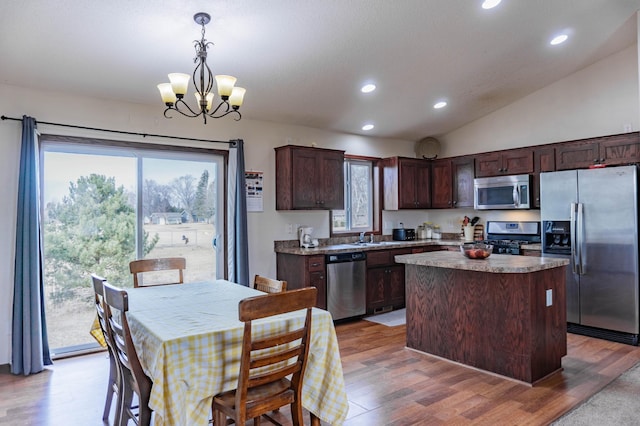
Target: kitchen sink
[{"x": 375, "y": 243}]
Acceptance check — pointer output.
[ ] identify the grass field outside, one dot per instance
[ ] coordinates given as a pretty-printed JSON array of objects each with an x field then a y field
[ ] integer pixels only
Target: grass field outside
[{"x": 69, "y": 322}]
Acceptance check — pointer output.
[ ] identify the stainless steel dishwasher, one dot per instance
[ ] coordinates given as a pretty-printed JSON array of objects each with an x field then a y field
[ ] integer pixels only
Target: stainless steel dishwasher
[{"x": 346, "y": 281}]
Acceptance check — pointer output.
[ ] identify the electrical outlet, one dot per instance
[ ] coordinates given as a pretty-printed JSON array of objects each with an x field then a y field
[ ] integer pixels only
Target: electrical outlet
[
  {"x": 288, "y": 228},
  {"x": 549, "y": 293}
]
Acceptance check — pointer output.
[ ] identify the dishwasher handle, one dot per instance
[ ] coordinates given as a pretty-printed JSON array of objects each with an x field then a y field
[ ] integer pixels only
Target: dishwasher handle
[{"x": 345, "y": 257}]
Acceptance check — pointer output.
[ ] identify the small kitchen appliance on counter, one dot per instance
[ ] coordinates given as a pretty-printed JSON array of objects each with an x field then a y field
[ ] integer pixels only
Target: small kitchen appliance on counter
[
  {"x": 403, "y": 234},
  {"x": 306, "y": 239}
]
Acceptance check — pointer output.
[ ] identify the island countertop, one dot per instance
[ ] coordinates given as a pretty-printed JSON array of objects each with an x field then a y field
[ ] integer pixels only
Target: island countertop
[{"x": 496, "y": 263}]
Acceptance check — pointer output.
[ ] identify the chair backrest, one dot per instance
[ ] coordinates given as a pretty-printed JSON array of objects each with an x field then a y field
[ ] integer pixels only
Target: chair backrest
[
  {"x": 269, "y": 285},
  {"x": 270, "y": 359},
  {"x": 98, "y": 293},
  {"x": 138, "y": 267},
  {"x": 116, "y": 307}
]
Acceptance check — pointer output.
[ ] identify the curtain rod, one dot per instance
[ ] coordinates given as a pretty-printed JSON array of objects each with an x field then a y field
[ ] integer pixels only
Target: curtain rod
[{"x": 144, "y": 135}]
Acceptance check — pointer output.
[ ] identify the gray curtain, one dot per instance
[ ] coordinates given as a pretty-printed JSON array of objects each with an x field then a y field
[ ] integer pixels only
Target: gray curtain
[
  {"x": 29, "y": 344},
  {"x": 237, "y": 240}
]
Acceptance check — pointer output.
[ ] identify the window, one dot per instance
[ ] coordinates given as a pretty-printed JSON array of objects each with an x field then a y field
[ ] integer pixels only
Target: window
[
  {"x": 107, "y": 204},
  {"x": 358, "y": 199}
]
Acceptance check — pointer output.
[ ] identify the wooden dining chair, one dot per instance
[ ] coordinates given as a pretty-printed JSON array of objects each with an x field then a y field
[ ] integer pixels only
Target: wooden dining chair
[
  {"x": 265, "y": 362},
  {"x": 139, "y": 267},
  {"x": 269, "y": 285},
  {"x": 114, "y": 384},
  {"x": 133, "y": 378}
]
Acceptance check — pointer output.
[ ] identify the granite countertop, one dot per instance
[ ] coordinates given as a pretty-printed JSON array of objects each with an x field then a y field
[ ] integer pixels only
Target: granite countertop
[
  {"x": 353, "y": 247},
  {"x": 496, "y": 263}
]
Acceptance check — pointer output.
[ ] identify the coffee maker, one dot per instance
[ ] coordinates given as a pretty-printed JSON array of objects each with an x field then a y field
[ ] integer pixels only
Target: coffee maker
[{"x": 304, "y": 234}]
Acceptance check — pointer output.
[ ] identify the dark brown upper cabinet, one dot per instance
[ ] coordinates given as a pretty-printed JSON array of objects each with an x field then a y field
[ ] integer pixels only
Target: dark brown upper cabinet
[
  {"x": 407, "y": 183},
  {"x": 309, "y": 178},
  {"x": 441, "y": 184},
  {"x": 510, "y": 162},
  {"x": 612, "y": 150},
  {"x": 463, "y": 171},
  {"x": 544, "y": 160}
]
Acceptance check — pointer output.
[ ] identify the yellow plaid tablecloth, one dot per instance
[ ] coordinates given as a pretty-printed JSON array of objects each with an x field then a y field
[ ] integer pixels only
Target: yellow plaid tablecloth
[{"x": 188, "y": 338}]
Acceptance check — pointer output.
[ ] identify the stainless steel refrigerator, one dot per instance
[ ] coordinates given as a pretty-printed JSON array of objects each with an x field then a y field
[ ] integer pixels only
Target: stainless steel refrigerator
[{"x": 591, "y": 217}]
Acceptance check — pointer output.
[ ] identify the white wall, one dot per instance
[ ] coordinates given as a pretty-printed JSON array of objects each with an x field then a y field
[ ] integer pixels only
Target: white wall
[
  {"x": 260, "y": 139},
  {"x": 601, "y": 99}
]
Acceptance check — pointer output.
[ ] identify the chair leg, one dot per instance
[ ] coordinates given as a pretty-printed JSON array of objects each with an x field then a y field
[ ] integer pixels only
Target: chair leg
[
  {"x": 125, "y": 406},
  {"x": 113, "y": 377},
  {"x": 219, "y": 418},
  {"x": 107, "y": 403},
  {"x": 296, "y": 413},
  {"x": 315, "y": 420}
]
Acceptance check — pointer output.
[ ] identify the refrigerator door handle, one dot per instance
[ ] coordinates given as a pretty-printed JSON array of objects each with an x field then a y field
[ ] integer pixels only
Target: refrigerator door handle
[
  {"x": 580, "y": 239},
  {"x": 574, "y": 246}
]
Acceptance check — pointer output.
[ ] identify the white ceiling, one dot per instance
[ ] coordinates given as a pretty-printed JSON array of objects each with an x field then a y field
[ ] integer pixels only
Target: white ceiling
[{"x": 303, "y": 61}]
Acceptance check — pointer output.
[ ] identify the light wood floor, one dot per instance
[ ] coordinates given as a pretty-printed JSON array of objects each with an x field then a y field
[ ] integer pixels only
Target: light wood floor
[{"x": 387, "y": 384}]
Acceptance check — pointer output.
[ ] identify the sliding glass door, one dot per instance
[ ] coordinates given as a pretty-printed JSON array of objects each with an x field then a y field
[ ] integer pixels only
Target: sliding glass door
[{"x": 107, "y": 205}]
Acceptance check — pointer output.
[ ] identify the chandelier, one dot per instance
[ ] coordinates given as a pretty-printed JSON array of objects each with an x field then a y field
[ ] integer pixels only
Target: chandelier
[{"x": 173, "y": 93}]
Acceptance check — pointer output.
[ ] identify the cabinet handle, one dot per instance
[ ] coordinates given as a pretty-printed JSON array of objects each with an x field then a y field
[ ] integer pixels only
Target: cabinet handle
[
  {"x": 316, "y": 264},
  {"x": 455, "y": 203}
]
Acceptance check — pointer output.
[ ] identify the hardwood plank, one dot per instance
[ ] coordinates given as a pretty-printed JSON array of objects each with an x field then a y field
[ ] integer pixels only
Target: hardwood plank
[{"x": 387, "y": 384}]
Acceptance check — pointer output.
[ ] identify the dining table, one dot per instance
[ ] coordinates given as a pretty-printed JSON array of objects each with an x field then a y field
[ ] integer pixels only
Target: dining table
[{"x": 188, "y": 338}]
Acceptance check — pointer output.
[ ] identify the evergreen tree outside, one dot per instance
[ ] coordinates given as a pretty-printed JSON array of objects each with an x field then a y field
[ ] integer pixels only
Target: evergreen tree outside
[
  {"x": 202, "y": 205},
  {"x": 91, "y": 231}
]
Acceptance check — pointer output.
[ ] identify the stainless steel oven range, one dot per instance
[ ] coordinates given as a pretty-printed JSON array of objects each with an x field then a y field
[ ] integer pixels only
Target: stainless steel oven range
[{"x": 508, "y": 237}]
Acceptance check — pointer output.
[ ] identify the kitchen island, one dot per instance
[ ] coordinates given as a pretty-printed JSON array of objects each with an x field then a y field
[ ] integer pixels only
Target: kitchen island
[{"x": 504, "y": 314}]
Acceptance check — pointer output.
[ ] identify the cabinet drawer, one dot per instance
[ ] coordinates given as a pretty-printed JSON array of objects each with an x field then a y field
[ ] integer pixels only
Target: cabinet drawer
[
  {"x": 315, "y": 264},
  {"x": 378, "y": 258},
  {"x": 385, "y": 257}
]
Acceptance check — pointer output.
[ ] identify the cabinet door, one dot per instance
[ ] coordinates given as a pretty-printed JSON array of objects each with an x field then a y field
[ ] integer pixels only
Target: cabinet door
[
  {"x": 376, "y": 279},
  {"x": 423, "y": 185},
  {"x": 441, "y": 190},
  {"x": 517, "y": 161},
  {"x": 306, "y": 175},
  {"x": 462, "y": 170},
  {"x": 620, "y": 149},
  {"x": 395, "y": 276},
  {"x": 544, "y": 160},
  {"x": 407, "y": 178},
  {"x": 331, "y": 185},
  {"x": 489, "y": 164},
  {"x": 318, "y": 280},
  {"x": 577, "y": 155}
]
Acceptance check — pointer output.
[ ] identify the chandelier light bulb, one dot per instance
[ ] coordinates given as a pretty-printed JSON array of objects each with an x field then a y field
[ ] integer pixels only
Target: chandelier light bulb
[{"x": 173, "y": 93}]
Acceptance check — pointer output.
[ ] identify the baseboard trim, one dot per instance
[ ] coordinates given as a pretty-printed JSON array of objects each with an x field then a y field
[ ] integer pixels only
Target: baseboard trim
[{"x": 5, "y": 368}]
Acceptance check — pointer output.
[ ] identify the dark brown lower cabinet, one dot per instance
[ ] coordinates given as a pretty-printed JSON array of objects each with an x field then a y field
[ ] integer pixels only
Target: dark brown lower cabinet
[
  {"x": 304, "y": 271},
  {"x": 385, "y": 281}
]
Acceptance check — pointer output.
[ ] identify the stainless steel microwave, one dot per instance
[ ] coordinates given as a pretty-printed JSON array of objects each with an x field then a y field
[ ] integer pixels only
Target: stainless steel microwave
[{"x": 502, "y": 192}]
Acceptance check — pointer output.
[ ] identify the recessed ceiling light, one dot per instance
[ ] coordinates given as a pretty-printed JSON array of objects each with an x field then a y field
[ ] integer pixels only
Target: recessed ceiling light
[
  {"x": 559, "y": 39},
  {"x": 367, "y": 127},
  {"x": 490, "y": 4},
  {"x": 440, "y": 104},
  {"x": 368, "y": 88}
]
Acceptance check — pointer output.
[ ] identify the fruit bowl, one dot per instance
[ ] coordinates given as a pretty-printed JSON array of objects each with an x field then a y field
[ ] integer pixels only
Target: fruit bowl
[{"x": 476, "y": 250}]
